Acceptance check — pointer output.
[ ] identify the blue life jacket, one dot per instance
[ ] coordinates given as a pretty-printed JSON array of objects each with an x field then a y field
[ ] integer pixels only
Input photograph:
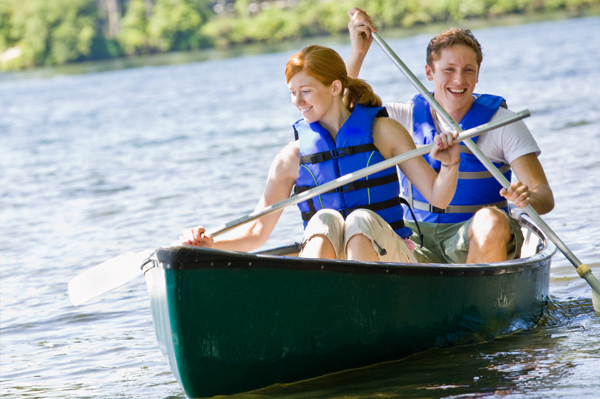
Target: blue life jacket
[
  {"x": 323, "y": 159},
  {"x": 476, "y": 187}
]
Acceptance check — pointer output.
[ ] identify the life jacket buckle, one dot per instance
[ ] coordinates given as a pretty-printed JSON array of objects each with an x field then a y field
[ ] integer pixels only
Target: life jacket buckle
[
  {"x": 435, "y": 209},
  {"x": 349, "y": 187},
  {"x": 345, "y": 151}
]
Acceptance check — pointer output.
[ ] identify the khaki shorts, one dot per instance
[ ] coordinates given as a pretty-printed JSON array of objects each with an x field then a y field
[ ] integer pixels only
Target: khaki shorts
[
  {"x": 449, "y": 242},
  {"x": 331, "y": 224}
]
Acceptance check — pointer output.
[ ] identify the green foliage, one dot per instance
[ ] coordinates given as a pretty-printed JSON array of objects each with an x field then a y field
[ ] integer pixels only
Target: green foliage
[
  {"x": 174, "y": 25},
  {"x": 171, "y": 25},
  {"x": 6, "y": 38},
  {"x": 316, "y": 17},
  {"x": 47, "y": 32},
  {"x": 133, "y": 36}
]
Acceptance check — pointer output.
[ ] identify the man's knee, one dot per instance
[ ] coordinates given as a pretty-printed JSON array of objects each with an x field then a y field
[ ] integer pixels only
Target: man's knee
[{"x": 490, "y": 223}]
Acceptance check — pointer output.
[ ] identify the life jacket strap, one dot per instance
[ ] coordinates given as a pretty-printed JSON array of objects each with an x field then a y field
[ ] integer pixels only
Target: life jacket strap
[
  {"x": 377, "y": 206},
  {"x": 405, "y": 202},
  {"x": 484, "y": 174},
  {"x": 336, "y": 153},
  {"x": 355, "y": 185},
  {"x": 425, "y": 206}
]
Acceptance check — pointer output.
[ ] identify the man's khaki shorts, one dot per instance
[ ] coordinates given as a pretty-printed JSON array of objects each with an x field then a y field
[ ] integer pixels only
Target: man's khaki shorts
[{"x": 331, "y": 224}]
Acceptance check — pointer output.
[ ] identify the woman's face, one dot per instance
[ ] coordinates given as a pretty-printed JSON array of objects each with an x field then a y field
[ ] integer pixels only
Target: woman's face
[{"x": 311, "y": 97}]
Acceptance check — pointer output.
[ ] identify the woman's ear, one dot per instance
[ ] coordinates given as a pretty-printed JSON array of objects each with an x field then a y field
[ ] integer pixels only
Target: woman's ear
[{"x": 336, "y": 87}]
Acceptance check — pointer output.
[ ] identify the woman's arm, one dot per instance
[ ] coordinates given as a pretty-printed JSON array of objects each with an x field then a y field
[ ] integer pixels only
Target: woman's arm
[
  {"x": 282, "y": 176},
  {"x": 392, "y": 139}
]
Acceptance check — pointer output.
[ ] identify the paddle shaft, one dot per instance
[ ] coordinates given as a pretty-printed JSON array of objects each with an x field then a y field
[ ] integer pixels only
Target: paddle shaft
[
  {"x": 582, "y": 269},
  {"x": 350, "y": 177}
]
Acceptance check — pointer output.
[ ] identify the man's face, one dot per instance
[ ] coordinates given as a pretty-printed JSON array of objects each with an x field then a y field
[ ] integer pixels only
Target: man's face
[{"x": 454, "y": 76}]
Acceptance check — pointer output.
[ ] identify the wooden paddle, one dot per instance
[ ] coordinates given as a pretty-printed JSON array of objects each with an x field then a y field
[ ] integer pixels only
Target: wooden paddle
[
  {"x": 583, "y": 270},
  {"x": 115, "y": 272}
]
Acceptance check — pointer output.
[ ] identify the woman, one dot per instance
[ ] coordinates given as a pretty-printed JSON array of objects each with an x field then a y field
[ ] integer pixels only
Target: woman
[{"x": 342, "y": 130}]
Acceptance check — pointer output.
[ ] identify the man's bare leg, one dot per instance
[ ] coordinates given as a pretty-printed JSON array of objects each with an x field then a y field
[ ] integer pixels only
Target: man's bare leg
[{"x": 489, "y": 236}]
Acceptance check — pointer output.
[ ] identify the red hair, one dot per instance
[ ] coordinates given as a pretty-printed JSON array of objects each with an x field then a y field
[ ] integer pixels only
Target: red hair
[{"x": 326, "y": 65}]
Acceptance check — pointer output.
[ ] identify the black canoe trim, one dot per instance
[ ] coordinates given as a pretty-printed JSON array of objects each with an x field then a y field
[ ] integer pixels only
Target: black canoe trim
[{"x": 191, "y": 258}]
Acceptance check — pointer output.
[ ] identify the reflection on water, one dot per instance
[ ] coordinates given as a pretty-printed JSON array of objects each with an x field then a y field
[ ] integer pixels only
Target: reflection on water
[
  {"x": 553, "y": 357},
  {"x": 96, "y": 165}
]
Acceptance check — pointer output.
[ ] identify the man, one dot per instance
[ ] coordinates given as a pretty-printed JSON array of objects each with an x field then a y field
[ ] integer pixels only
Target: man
[{"x": 476, "y": 227}]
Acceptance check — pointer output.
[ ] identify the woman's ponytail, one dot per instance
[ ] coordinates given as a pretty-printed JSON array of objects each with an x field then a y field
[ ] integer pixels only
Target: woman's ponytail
[
  {"x": 360, "y": 92},
  {"x": 326, "y": 65}
]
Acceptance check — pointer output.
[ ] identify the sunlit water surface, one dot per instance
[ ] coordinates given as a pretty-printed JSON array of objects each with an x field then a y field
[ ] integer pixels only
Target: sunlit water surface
[{"x": 99, "y": 164}]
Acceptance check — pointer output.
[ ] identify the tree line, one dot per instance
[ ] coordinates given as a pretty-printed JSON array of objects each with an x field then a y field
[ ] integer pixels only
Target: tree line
[{"x": 53, "y": 32}]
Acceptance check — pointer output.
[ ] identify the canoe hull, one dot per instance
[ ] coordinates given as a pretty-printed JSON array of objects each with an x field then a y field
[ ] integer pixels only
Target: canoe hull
[{"x": 229, "y": 322}]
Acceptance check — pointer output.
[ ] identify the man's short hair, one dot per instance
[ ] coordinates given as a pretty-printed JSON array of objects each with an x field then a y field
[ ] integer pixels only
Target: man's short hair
[{"x": 450, "y": 38}]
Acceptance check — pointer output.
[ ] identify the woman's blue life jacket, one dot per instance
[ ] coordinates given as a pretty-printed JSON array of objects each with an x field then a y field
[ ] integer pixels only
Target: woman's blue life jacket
[
  {"x": 322, "y": 160},
  {"x": 476, "y": 187}
]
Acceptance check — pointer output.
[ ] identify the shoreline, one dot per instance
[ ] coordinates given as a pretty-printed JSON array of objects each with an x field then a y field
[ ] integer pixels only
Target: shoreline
[{"x": 184, "y": 57}]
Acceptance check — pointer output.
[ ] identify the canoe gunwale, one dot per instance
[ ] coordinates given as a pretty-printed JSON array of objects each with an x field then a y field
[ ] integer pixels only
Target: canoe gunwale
[{"x": 189, "y": 258}]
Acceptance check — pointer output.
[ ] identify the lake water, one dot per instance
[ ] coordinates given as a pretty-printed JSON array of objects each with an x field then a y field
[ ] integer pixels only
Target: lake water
[{"x": 99, "y": 164}]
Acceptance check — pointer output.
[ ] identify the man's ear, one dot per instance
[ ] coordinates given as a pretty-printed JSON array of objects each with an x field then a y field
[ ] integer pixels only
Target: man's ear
[
  {"x": 428, "y": 72},
  {"x": 336, "y": 87}
]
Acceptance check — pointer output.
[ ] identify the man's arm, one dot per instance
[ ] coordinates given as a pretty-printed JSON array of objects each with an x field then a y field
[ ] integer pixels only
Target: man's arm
[
  {"x": 360, "y": 28},
  {"x": 532, "y": 187}
]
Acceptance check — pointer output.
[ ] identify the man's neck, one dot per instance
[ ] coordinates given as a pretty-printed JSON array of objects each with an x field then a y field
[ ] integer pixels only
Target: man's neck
[{"x": 457, "y": 115}]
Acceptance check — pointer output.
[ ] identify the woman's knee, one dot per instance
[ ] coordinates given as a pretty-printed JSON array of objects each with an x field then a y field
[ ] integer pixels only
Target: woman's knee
[
  {"x": 327, "y": 217},
  {"x": 358, "y": 241},
  {"x": 360, "y": 247},
  {"x": 360, "y": 218},
  {"x": 323, "y": 234}
]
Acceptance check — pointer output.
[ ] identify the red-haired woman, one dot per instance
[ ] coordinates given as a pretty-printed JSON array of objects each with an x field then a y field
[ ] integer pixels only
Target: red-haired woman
[{"x": 344, "y": 129}]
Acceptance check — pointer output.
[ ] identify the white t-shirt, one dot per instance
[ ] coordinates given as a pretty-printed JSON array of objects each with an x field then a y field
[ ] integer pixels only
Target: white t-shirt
[{"x": 504, "y": 144}]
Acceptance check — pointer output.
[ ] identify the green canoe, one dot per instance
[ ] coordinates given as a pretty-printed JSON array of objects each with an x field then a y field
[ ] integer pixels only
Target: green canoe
[{"x": 231, "y": 322}]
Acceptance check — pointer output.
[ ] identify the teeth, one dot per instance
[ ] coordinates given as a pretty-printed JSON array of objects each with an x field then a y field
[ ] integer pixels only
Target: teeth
[
  {"x": 457, "y": 91},
  {"x": 305, "y": 109}
]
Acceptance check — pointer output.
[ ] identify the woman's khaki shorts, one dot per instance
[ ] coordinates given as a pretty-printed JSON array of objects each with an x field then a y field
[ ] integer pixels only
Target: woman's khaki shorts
[{"x": 331, "y": 224}]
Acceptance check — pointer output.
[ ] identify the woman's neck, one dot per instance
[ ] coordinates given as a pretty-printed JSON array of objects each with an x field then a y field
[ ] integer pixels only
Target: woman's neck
[{"x": 335, "y": 118}]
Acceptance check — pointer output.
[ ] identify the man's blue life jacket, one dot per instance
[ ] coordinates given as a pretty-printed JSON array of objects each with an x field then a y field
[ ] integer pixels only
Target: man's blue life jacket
[
  {"x": 476, "y": 187},
  {"x": 323, "y": 159}
]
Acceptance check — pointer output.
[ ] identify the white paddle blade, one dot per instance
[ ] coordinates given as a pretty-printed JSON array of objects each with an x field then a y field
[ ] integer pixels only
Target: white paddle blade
[
  {"x": 106, "y": 276},
  {"x": 596, "y": 302},
  {"x": 594, "y": 285}
]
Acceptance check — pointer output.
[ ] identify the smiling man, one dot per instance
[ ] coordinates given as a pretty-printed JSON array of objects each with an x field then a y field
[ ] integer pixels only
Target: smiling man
[{"x": 476, "y": 227}]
